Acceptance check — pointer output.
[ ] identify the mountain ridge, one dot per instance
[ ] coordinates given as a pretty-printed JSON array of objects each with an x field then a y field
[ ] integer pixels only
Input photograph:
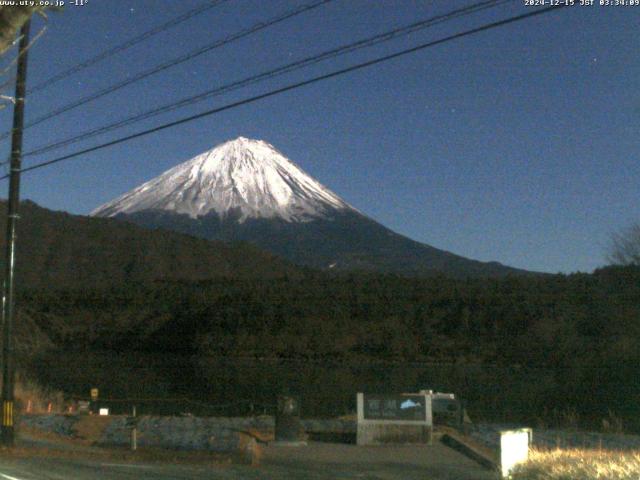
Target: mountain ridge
[
  {"x": 348, "y": 242},
  {"x": 244, "y": 174},
  {"x": 60, "y": 250},
  {"x": 246, "y": 190}
]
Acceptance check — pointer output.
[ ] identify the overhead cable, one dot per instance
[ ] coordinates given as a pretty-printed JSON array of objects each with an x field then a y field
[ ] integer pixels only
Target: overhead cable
[
  {"x": 170, "y": 63},
  {"x": 269, "y": 74},
  {"x": 294, "y": 86},
  {"x": 124, "y": 46}
]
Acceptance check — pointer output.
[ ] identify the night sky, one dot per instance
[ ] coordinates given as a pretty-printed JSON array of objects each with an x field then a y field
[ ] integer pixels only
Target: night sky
[{"x": 519, "y": 144}]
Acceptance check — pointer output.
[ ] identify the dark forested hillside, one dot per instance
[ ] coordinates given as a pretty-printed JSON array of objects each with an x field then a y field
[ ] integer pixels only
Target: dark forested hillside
[
  {"x": 57, "y": 250},
  {"x": 90, "y": 284},
  {"x": 558, "y": 320},
  {"x": 578, "y": 336}
]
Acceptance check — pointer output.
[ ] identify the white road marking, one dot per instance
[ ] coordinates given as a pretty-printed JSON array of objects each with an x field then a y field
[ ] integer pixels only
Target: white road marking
[
  {"x": 125, "y": 465},
  {"x": 9, "y": 477}
]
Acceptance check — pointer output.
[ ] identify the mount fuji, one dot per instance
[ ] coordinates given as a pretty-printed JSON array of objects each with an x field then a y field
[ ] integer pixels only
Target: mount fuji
[{"x": 246, "y": 190}]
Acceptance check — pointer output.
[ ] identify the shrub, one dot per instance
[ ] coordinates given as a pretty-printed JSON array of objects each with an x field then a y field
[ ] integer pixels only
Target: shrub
[
  {"x": 579, "y": 465},
  {"x": 31, "y": 396}
]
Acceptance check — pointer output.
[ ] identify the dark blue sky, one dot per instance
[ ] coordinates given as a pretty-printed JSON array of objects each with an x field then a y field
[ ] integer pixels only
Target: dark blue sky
[{"x": 519, "y": 144}]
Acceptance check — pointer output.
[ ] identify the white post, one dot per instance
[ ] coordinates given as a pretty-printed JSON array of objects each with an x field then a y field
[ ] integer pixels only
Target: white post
[
  {"x": 514, "y": 449},
  {"x": 134, "y": 432}
]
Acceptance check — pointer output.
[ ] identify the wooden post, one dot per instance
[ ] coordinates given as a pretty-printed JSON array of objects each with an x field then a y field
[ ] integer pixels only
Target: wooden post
[{"x": 134, "y": 432}]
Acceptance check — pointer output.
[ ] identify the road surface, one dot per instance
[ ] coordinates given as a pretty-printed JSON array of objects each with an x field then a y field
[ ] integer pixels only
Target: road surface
[{"x": 321, "y": 461}]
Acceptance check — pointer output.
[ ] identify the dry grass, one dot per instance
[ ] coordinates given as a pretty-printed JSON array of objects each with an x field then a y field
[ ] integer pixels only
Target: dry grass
[{"x": 579, "y": 465}]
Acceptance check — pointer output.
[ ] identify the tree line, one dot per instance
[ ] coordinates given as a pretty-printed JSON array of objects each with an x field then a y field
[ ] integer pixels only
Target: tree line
[{"x": 578, "y": 334}]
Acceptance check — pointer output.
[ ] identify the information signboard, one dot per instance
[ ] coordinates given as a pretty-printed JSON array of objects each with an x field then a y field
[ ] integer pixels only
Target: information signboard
[
  {"x": 394, "y": 418},
  {"x": 395, "y": 407}
]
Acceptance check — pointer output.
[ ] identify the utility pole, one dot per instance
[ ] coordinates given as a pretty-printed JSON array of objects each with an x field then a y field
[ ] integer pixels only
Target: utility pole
[{"x": 7, "y": 434}]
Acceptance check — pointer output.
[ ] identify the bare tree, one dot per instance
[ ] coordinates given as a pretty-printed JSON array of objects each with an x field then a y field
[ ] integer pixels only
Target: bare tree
[{"x": 625, "y": 246}]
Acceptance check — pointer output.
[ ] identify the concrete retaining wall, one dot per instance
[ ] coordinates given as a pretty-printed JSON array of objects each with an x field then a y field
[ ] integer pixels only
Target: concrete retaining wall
[{"x": 183, "y": 433}]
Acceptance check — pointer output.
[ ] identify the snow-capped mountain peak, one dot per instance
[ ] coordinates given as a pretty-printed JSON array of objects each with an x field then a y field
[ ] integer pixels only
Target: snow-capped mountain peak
[{"x": 247, "y": 177}]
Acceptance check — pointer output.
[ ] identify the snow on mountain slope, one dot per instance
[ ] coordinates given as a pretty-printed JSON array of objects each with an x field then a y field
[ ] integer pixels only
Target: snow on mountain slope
[{"x": 242, "y": 175}]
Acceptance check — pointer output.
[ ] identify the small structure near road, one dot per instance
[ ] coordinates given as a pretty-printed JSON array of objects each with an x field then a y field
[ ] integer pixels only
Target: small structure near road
[
  {"x": 394, "y": 418},
  {"x": 446, "y": 407},
  {"x": 288, "y": 428}
]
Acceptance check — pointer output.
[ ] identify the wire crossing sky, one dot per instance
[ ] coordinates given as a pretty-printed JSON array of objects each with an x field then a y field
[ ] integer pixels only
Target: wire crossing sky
[
  {"x": 169, "y": 64},
  {"x": 124, "y": 46},
  {"x": 287, "y": 88},
  {"x": 518, "y": 144},
  {"x": 370, "y": 41}
]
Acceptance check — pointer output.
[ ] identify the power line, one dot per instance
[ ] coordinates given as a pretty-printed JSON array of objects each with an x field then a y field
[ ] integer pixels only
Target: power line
[
  {"x": 172, "y": 63},
  {"x": 368, "y": 42},
  {"x": 125, "y": 45},
  {"x": 294, "y": 86}
]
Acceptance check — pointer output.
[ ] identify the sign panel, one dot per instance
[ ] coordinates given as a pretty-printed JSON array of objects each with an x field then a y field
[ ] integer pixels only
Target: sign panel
[
  {"x": 514, "y": 448},
  {"x": 94, "y": 394},
  {"x": 394, "y": 418},
  {"x": 395, "y": 407}
]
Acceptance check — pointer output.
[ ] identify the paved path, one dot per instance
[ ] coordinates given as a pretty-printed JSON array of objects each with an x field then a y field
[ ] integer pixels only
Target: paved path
[
  {"x": 406, "y": 462},
  {"x": 319, "y": 461}
]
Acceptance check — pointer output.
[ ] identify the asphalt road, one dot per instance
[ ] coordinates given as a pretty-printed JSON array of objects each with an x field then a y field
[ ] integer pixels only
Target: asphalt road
[{"x": 317, "y": 461}]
